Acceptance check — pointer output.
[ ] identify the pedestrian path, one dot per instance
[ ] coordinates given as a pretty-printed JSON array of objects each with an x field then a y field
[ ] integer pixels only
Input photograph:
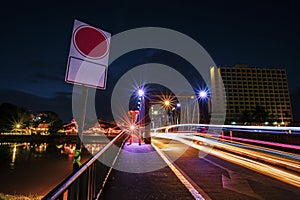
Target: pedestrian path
[{"x": 142, "y": 174}]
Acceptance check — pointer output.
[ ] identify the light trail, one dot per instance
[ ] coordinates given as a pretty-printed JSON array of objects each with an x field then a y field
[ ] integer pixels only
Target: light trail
[
  {"x": 235, "y": 127},
  {"x": 232, "y": 141},
  {"x": 256, "y": 154},
  {"x": 289, "y": 146},
  {"x": 246, "y": 158}
]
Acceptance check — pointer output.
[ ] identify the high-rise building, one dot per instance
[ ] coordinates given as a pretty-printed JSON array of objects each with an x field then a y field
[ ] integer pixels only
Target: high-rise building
[{"x": 248, "y": 87}]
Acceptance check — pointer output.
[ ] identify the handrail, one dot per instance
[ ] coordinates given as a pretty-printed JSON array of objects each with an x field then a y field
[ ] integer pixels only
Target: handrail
[{"x": 57, "y": 192}]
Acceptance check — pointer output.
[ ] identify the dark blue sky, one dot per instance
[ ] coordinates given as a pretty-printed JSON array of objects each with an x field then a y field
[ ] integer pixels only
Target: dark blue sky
[{"x": 35, "y": 40}]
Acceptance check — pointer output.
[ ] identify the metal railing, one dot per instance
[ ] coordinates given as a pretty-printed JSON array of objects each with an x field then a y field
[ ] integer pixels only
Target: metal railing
[{"x": 88, "y": 182}]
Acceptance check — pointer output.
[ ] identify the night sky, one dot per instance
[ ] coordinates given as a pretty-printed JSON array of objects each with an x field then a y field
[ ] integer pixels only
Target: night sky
[{"x": 35, "y": 40}]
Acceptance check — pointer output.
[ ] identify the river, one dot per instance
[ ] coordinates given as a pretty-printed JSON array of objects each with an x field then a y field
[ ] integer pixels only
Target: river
[{"x": 29, "y": 168}]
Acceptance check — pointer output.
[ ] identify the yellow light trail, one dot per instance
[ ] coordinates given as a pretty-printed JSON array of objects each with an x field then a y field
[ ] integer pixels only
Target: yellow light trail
[
  {"x": 250, "y": 163},
  {"x": 256, "y": 154}
]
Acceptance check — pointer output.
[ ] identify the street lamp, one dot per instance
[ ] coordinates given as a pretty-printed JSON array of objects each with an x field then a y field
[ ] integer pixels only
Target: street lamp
[
  {"x": 141, "y": 92},
  {"x": 132, "y": 127},
  {"x": 203, "y": 94},
  {"x": 167, "y": 103},
  {"x": 204, "y": 100},
  {"x": 143, "y": 117}
]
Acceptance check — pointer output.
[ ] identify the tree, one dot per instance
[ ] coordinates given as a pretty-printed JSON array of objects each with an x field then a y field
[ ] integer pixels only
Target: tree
[
  {"x": 259, "y": 114},
  {"x": 49, "y": 117},
  {"x": 11, "y": 116},
  {"x": 246, "y": 117}
]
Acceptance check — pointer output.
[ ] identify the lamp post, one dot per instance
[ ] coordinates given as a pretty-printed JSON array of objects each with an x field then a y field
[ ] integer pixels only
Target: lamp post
[
  {"x": 167, "y": 105},
  {"x": 178, "y": 111},
  {"x": 141, "y": 93},
  {"x": 144, "y": 119},
  {"x": 203, "y": 96},
  {"x": 132, "y": 127}
]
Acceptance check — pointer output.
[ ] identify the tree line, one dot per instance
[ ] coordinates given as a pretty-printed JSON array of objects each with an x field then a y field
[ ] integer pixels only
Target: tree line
[
  {"x": 257, "y": 115},
  {"x": 12, "y": 117}
]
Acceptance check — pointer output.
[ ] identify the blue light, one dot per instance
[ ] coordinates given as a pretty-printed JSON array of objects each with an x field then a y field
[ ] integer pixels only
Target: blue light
[
  {"x": 141, "y": 92},
  {"x": 203, "y": 94}
]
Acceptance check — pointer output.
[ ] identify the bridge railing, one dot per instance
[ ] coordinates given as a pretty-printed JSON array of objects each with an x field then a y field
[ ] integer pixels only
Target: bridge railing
[{"x": 88, "y": 182}]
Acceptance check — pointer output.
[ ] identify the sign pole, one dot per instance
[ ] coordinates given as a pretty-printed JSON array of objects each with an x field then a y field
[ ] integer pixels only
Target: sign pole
[
  {"x": 81, "y": 122},
  {"x": 87, "y": 66}
]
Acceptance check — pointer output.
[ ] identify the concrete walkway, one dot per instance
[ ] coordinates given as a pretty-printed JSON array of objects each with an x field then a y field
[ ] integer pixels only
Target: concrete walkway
[{"x": 142, "y": 174}]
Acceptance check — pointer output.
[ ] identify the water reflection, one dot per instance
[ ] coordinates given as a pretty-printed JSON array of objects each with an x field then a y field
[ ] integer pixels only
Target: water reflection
[
  {"x": 67, "y": 149},
  {"x": 94, "y": 148},
  {"x": 13, "y": 159},
  {"x": 40, "y": 165},
  {"x": 41, "y": 147},
  {"x": 14, "y": 155}
]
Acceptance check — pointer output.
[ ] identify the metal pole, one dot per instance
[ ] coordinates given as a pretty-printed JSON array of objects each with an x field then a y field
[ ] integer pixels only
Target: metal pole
[{"x": 81, "y": 121}]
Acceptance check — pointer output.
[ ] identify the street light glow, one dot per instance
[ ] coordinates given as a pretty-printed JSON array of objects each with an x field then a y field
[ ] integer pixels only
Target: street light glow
[
  {"x": 203, "y": 94},
  {"x": 132, "y": 127},
  {"x": 141, "y": 92},
  {"x": 167, "y": 103}
]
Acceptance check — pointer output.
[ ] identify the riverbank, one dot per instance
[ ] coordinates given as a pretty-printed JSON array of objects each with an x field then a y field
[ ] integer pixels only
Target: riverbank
[
  {"x": 19, "y": 197},
  {"x": 53, "y": 138},
  {"x": 39, "y": 138}
]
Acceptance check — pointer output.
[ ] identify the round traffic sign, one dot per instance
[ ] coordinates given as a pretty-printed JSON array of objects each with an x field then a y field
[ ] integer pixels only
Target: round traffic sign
[{"x": 90, "y": 42}]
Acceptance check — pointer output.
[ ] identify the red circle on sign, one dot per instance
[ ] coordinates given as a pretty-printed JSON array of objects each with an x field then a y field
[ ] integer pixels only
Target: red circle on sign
[{"x": 90, "y": 42}]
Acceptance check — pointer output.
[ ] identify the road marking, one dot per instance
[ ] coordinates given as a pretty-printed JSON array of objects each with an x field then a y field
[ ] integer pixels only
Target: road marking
[
  {"x": 183, "y": 177},
  {"x": 252, "y": 164},
  {"x": 235, "y": 182}
]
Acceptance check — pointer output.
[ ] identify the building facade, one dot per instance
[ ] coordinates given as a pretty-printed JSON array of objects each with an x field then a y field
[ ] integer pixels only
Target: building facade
[{"x": 247, "y": 88}]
